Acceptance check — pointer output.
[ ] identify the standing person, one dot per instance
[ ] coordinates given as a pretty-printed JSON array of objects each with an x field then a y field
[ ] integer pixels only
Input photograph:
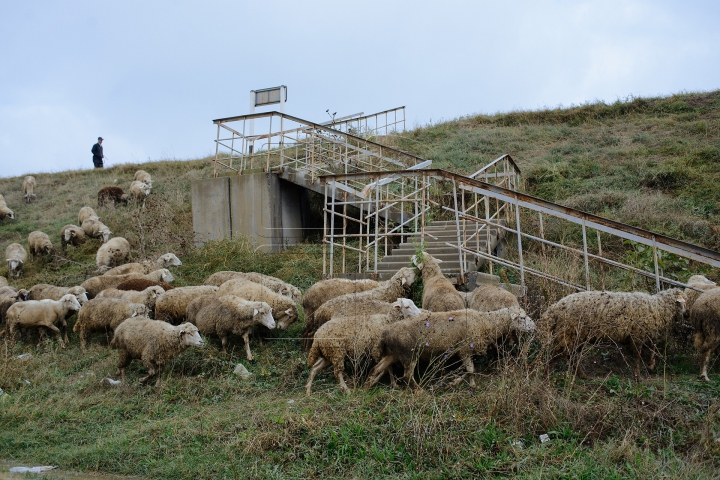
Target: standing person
[{"x": 97, "y": 152}]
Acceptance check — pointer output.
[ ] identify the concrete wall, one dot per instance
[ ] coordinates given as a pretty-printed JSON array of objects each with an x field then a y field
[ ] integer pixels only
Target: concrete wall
[
  {"x": 271, "y": 211},
  {"x": 211, "y": 209}
]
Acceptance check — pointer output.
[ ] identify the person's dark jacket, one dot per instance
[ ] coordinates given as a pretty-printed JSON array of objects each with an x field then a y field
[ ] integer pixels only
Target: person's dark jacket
[{"x": 97, "y": 152}]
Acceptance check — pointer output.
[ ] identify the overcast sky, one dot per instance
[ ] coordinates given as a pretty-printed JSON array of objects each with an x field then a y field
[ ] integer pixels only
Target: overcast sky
[{"x": 150, "y": 76}]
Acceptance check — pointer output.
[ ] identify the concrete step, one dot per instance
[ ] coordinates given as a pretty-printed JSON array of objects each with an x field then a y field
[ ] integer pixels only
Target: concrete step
[{"x": 438, "y": 247}]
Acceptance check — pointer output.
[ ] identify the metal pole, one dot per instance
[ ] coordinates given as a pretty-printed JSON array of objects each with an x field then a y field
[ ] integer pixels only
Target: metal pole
[
  {"x": 657, "y": 266},
  {"x": 267, "y": 169},
  {"x": 360, "y": 239},
  {"x": 325, "y": 235},
  {"x": 542, "y": 232},
  {"x": 332, "y": 230},
  {"x": 585, "y": 255},
  {"x": 487, "y": 231},
  {"x": 217, "y": 147},
  {"x": 602, "y": 264},
  {"x": 457, "y": 226},
  {"x": 377, "y": 223},
  {"x": 232, "y": 148},
  {"x": 344, "y": 229},
  {"x": 519, "y": 240}
]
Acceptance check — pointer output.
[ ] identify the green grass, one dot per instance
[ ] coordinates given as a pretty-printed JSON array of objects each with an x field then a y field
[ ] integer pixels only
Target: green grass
[{"x": 648, "y": 162}]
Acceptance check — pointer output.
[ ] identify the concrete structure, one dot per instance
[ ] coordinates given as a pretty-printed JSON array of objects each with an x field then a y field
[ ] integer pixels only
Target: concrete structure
[{"x": 270, "y": 211}]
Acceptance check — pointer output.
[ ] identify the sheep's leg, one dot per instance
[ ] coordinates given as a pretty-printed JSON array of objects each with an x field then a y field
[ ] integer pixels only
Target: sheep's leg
[
  {"x": 83, "y": 340},
  {"x": 320, "y": 364},
  {"x": 340, "y": 375},
  {"x": 63, "y": 326},
  {"x": 379, "y": 371},
  {"x": 246, "y": 337},
  {"x": 124, "y": 360},
  {"x": 59, "y": 335},
  {"x": 703, "y": 375},
  {"x": 469, "y": 370},
  {"x": 651, "y": 366},
  {"x": 637, "y": 350},
  {"x": 409, "y": 375},
  {"x": 151, "y": 372}
]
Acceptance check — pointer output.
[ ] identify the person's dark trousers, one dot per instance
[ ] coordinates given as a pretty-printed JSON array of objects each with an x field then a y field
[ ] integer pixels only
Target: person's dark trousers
[{"x": 98, "y": 163}]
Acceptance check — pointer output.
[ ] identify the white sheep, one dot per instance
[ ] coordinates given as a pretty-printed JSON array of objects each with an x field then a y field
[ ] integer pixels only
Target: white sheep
[
  {"x": 273, "y": 283},
  {"x": 325, "y": 290},
  {"x": 87, "y": 213},
  {"x": 143, "y": 176},
  {"x": 439, "y": 295},
  {"x": 153, "y": 342},
  {"x": 39, "y": 243},
  {"x": 43, "y": 291},
  {"x": 104, "y": 315},
  {"x": 29, "y": 188},
  {"x": 431, "y": 335},
  {"x": 97, "y": 284},
  {"x": 71, "y": 235},
  {"x": 147, "y": 297},
  {"x": 41, "y": 313},
  {"x": 351, "y": 335},
  {"x": 15, "y": 256},
  {"x": 705, "y": 319},
  {"x": 698, "y": 282},
  {"x": 486, "y": 298},
  {"x": 637, "y": 319},
  {"x": 284, "y": 310},
  {"x": 96, "y": 229},
  {"x": 9, "y": 296},
  {"x": 172, "y": 305},
  {"x": 166, "y": 260},
  {"x": 5, "y": 212},
  {"x": 113, "y": 252},
  {"x": 222, "y": 316},
  {"x": 140, "y": 191}
]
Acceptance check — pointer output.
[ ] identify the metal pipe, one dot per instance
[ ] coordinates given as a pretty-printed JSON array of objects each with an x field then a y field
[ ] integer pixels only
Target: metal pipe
[
  {"x": 332, "y": 231},
  {"x": 519, "y": 240},
  {"x": 585, "y": 255}
]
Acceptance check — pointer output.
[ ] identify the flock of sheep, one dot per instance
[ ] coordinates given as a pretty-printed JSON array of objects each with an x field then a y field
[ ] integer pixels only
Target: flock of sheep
[{"x": 360, "y": 320}]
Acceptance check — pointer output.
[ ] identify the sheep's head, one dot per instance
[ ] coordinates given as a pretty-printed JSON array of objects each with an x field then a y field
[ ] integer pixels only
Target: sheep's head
[
  {"x": 15, "y": 264},
  {"x": 700, "y": 280},
  {"x": 169, "y": 260},
  {"x": 71, "y": 302},
  {"x": 166, "y": 276},
  {"x": 263, "y": 315},
  {"x": 105, "y": 232},
  {"x": 286, "y": 317},
  {"x": 406, "y": 307},
  {"x": 80, "y": 293},
  {"x": 189, "y": 335},
  {"x": 520, "y": 320},
  {"x": 23, "y": 294},
  {"x": 69, "y": 233},
  {"x": 138, "y": 310},
  {"x": 154, "y": 291},
  {"x": 406, "y": 276}
]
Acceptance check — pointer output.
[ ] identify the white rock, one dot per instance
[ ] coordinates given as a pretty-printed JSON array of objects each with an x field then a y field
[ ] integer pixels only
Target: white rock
[{"x": 242, "y": 372}]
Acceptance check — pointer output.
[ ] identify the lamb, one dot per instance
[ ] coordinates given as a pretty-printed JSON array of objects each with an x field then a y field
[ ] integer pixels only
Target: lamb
[
  {"x": 172, "y": 306},
  {"x": 461, "y": 333},
  {"x": 140, "y": 284},
  {"x": 41, "y": 313},
  {"x": 222, "y": 316},
  {"x": 352, "y": 336},
  {"x": 487, "y": 298},
  {"x": 87, "y": 213},
  {"x": 154, "y": 343},
  {"x": 325, "y": 290},
  {"x": 44, "y": 291},
  {"x": 164, "y": 261},
  {"x": 139, "y": 191},
  {"x": 705, "y": 319},
  {"x": 273, "y": 283},
  {"x": 388, "y": 291},
  {"x": 15, "y": 256},
  {"x": 113, "y": 195},
  {"x": 115, "y": 251},
  {"x": 439, "y": 295},
  {"x": 634, "y": 318},
  {"x": 29, "y": 188},
  {"x": 143, "y": 176},
  {"x": 104, "y": 315},
  {"x": 95, "y": 285},
  {"x": 284, "y": 310},
  {"x": 147, "y": 297},
  {"x": 39, "y": 244},
  {"x": 96, "y": 229},
  {"x": 71, "y": 235}
]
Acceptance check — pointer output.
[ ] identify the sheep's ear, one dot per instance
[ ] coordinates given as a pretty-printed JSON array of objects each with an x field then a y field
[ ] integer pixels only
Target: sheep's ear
[
  {"x": 397, "y": 307},
  {"x": 288, "y": 311},
  {"x": 404, "y": 281},
  {"x": 134, "y": 314},
  {"x": 414, "y": 260},
  {"x": 680, "y": 300},
  {"x": 21, "y": 262},
  {"x": 255, "y": 312},
  {"x": 438, "y": 260},
  {"x": 513, "y": 316}
]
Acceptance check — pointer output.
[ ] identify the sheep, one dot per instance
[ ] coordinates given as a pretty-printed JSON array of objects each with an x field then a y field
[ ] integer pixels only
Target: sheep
[
  {"x": 273, "y": 283},
  {"x": 5, "y": 212},
  {"x": 705, "y": 319},
  {"x": 147, "y": 297},
  {"x": 71, "y": 235},
  {"x": 388, "y": 291},
  {"x": 39, "y": 244},
  {"x": 41, "y": 313},
  {"x": 15, "y": 256},
  {"x": 698, "y": 282},
  {"x": 44, "y": 291},
  {"x": 172, "y": 306},
  {"x": 95, "y": 285},
  {"x": 164, "y": 261},
  {"x": 154, "y": 343},
  {"x": 284, "y": 310},
  {"x": 635, "y": 318},
  {"x": 3, "y": 282},
  {"x": 439, "y": 295},
  {"x": 140, "y": 284},
  {"x": 325, "y": 290},
  {"x": 352, "y": 336},
  {"x": 461, "y": 333},
  {"x": 139, "y": 191},
  {"x": 143, "y": 176},
  {"x": 229, "y": 315},
  {"x": 9, "y": 296},
  {"x": 113, "y": 195},
  {"x": 96, "y": 229},
  {"x": 104, "y": 315},
  {"x": 87, "y": 213},
  {"x": 486, "y": 298},
  {"x": 29, "y": 188},
  {"x": 115, "y": 251}
]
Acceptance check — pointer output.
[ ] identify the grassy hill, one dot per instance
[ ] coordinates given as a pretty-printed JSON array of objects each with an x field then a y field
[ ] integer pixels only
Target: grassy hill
[{"x": 653, "y": 163}]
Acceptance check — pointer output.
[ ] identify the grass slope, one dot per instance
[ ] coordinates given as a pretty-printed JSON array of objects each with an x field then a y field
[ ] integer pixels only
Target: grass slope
[{"x": 617, "y": 160}]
